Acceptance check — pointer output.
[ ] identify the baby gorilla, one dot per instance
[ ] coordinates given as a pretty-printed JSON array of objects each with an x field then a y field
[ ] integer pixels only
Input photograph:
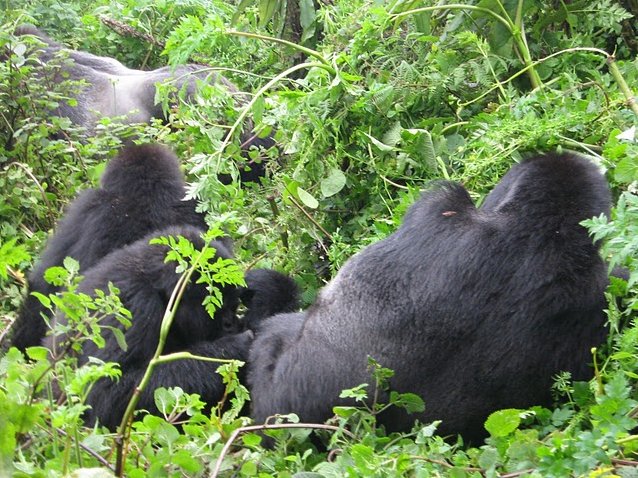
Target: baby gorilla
[
  {"x": 146, "y": 283},
  {"x": 141, "y": 191},
  {"x": 474, "y": 309}
]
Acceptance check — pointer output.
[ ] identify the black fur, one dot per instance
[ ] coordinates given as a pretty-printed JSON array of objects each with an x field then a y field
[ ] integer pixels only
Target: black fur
[
  {"x": 267, "y": 293},
  {"x": 141, "y": 191},
  {"x": 146, "y": 282},
  {"x": 474, "y": 309},
  {"x": 112, "y": 89}
]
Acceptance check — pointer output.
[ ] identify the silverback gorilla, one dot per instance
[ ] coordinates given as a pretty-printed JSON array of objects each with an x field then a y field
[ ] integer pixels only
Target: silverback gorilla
[
  {"x": 141, "y": 191},
  {"x": 474, "y": 309},
  {"x": 112, "y": 89}
]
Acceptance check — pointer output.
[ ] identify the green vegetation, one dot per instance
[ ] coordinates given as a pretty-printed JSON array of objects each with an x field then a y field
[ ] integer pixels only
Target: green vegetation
[{"x": 370, "y": 101}]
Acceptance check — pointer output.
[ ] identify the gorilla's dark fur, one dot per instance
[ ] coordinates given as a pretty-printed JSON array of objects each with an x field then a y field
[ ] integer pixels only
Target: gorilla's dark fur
[
  {"x": 142, "y": 191},
  {"x": 267, "y": 293},
  {"x": 146, "y": 282},
  {"x": 474, "y": 309},
  {"x": 112, "y": 89}
]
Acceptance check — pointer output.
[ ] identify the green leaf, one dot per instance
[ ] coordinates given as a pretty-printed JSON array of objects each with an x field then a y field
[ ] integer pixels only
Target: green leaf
[
  {"x": 627, "y": 170},
  {"x": 239, "y": 10},
  {"x": 266, "y": 11},
  {"x": 11, "y": 255},
  {"x": 249, "y": 468},
  {"x": 422, "y": 22},
  {"x": 344, "y": 412},
  {"x": 307, "y": 16},
  {"x": 334, "y": 183},
  {"x": 119, "y": 337},
  {"x": 37, "y": 353},
  {"x": 251, "y": 439},
  {"x": 381, "y": 146},
  {"x": 503, "y": 422},
  {"x": 185, "y": 460},
  {"x": 307, "y": 198},
  {"x": 410, "y": 401},
  {"x": 71, "y": 265},
  {"x": 392, "y": 136}
]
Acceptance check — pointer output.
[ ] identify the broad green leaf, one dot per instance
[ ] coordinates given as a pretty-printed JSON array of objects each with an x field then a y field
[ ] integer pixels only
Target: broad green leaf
[
  {"x": 266, "y": 11},
  {"x": 307, "y": 16},
  {"x": 627, "y": 170},
  {"x": 334, "y": 183},
  {"x": 307, "y": 198},
  {"x": 503, "y": 422}
]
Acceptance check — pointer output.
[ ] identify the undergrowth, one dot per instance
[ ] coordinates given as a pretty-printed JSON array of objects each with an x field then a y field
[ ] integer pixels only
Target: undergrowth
[{"x": 368, "y": 104}]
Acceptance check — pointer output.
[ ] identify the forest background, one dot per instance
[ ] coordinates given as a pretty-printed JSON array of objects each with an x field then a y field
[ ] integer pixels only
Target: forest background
[{"x": 369, "y": 102}]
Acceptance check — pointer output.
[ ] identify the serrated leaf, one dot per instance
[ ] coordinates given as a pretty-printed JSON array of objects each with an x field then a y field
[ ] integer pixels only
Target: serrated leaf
[
  {"x": 503, "y": 422},
  {"x": 626, "y": 170},
  {"x": 392, "y": 136},
  {"x": 334, "y": 183},
  {"x": 344, "y": 412},
  {"x": 307, "y": 198},
  {"x": 37, "y": 353},
  {"x": 251, "y": 439},
  {"x": 410, "y": 401},
  {"x": 71, "y": 265}
]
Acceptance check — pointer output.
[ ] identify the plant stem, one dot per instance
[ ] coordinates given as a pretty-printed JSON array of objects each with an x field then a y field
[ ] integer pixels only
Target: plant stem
[
  {"x": 260, "y": 93},
  {"x": 611, "y": 63},
  {"x": 454, "y": 6},
  {"x": 307, "y": 51},
  {"x": 124, "y": 429},
  {"x": 622, "y": 84},
  {"x": 516, "y": 30}
]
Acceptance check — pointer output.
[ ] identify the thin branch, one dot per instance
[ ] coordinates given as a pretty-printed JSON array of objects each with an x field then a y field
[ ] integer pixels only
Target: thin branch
[
  {"x": 91, "y": 452},
  {"x": 310, "y": 218},
  {"x": 123, "y": 29}
]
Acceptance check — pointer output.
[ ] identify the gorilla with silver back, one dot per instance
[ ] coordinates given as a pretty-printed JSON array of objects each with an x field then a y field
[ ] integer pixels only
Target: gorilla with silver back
[{"x": 111, "y": 89}]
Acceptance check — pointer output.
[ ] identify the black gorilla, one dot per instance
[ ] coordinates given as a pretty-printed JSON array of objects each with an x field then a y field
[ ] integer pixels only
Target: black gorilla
[
  {"x": 112, "y": 89},
  {"x": 267, "y": 293},
  {"x": 474, "y": 309},
  {"x": 142, "y": 191},
  {"x": 146, "y": 282}
]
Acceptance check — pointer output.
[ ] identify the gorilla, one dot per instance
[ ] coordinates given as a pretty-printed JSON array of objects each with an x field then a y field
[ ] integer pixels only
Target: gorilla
[
  {"x": 146, "y": 283},
  {"x": 267, "y": 293},
  {"x": 112, "y": 89},
  {"x": 475, "y": 309},
  {"x": 141, "y": 191}
]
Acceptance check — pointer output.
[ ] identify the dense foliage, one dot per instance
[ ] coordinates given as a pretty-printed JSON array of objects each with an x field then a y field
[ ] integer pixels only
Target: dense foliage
[{"x": 369, "y": 102}]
